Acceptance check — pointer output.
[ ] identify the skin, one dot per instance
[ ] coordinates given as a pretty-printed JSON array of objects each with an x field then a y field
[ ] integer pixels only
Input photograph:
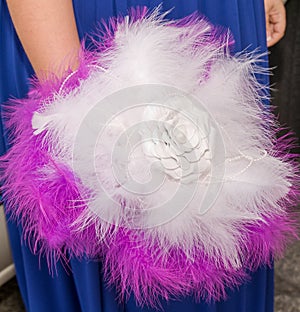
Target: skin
[
  {"x": 48, "y": 32},
  {"x": 275, "y": 21}
]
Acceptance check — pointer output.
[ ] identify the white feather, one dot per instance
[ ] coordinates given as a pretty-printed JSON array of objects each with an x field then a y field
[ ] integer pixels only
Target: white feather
[{"x": 152, "y": 52}]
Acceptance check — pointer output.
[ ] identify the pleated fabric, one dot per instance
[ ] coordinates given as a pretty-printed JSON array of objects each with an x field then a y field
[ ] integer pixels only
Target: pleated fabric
[{"x": 81, "y": 287}]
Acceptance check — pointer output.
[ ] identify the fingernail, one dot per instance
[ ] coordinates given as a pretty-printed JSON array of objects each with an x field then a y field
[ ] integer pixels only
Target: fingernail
[{"x": 269, "y": 38}]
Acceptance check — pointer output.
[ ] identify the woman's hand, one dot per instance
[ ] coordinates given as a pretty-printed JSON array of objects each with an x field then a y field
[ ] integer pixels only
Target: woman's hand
[{"x": 275, "y": 21}]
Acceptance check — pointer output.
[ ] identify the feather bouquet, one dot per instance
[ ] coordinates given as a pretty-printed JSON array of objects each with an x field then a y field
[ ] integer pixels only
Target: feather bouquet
[{"x": 157, "y": 157}]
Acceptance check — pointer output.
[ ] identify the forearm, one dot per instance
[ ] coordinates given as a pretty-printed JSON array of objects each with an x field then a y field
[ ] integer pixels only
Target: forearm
[{"x": 48, "y": 33}]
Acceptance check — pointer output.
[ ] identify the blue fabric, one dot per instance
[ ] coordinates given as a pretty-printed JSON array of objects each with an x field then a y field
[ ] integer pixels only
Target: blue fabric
[{"x": 84, "y": 289}]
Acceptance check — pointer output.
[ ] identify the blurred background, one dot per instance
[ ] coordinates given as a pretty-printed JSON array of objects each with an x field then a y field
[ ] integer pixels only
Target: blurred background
[{"x": 285, "y": 82}]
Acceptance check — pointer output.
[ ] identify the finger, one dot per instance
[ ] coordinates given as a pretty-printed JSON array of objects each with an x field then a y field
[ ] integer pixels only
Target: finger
[
  {"x": 276, "y": 33},
  {"x": 277, "y": 25},
  {"x": 268, "y": 28},
  {"x": 280, "y": 25},
  {"x": 274, "y": 39}
]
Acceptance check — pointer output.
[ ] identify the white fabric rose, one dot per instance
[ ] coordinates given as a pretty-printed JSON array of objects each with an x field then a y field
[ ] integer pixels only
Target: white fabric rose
[{"x": 180, "y": 144}]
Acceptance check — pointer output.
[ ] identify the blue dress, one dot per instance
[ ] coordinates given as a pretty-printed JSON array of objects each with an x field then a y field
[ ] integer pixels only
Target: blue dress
[{"x": 84, "y": 289}]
